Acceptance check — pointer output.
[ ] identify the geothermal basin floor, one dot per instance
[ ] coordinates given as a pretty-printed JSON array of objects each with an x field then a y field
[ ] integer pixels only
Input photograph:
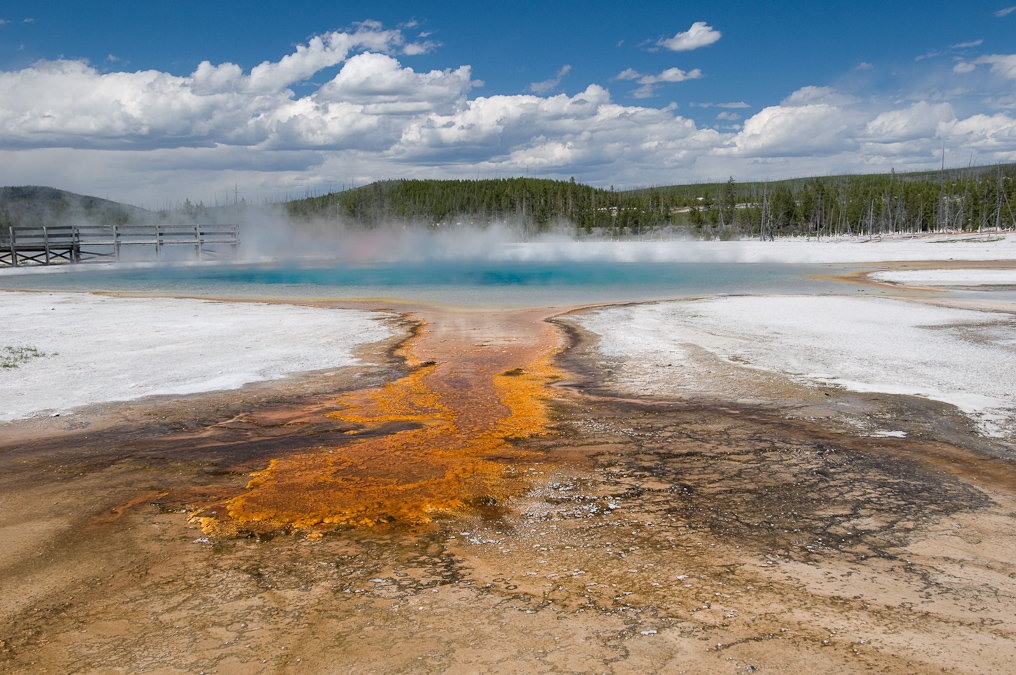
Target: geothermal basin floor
[{"x": 767, "y": 518}]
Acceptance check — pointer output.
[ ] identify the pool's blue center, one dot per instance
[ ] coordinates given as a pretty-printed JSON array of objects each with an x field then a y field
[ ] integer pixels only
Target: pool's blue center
[{"x": 497, "y": 283}]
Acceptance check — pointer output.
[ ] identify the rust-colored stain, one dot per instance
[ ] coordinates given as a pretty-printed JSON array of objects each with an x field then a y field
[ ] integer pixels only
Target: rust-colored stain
[{"x": 478, "y": 380}]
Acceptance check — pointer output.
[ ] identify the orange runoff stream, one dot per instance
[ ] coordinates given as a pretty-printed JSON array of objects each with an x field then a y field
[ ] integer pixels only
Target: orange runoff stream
[{"x": 478, "y": 380}]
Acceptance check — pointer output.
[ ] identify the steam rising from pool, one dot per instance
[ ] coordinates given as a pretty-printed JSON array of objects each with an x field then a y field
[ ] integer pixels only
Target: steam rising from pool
[
  {"x": 494, "y": 265},
  {"x": 273, "y": 237},
  {"x": 276, "y": 239}
]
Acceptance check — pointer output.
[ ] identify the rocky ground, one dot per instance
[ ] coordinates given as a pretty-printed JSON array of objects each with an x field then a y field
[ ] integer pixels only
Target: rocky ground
[{"x": 639, "y": 535}]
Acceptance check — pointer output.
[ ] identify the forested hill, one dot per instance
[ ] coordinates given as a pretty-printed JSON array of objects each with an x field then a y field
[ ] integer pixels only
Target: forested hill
[
  {"x": 36, "y": 205},
  {"x": 952, "y": 200},
  {"x": 955, "y": 199},
  {"x": 532, "y": 201}
]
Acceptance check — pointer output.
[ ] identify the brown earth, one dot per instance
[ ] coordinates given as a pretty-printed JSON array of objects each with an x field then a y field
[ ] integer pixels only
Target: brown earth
[{"x": 590, "y": 533}]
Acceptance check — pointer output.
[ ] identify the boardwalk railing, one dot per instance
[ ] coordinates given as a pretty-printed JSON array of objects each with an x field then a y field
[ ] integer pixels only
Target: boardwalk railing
[{"x": 48, "y": 245}]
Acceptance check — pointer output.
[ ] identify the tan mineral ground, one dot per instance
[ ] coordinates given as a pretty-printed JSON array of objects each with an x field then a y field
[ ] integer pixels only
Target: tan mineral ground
[{"x": 480, "y": 500}]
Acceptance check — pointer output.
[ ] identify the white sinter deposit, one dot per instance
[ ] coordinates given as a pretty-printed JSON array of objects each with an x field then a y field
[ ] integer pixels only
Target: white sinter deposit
[
  {"x": 100, "y": 348},
  {"x": 961, "y": 357},
  {"x": 960, "y": 277},
  {"x": 839, "y": 249}
]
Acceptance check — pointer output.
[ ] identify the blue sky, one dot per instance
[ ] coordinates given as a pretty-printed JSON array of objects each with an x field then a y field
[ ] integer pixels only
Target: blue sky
[{"x": 112, "y": 98}]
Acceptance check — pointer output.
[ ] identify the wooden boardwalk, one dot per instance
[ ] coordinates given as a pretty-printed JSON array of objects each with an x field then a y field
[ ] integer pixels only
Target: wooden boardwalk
[{"x": 49, "y": 245}]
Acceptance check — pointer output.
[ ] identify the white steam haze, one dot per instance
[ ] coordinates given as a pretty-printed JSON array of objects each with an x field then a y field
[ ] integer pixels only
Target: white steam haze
[
  {"x": 153, "y": 138},
  {"x": 269, "y": 235}
]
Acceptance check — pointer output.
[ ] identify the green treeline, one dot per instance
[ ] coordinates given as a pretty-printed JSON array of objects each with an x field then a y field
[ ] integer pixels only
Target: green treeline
[
  {"x": 971, "y": 199},
  {"x": 953, "y": 200},
  {"x": 534, "y": 202}
]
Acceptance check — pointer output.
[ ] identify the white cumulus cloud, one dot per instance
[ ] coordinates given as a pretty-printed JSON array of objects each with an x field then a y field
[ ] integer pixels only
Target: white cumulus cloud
[
  {"x": 671, "y": 75},
  {"x": 699, "y": 35},
  {"x": 647, "y": 89},
  {"x": 417, "y": 48},
  {"x": 1002, "y": 65},
  {"x": 68, "y": 103},
  {"x": 378, "y": 79},
  {"x": 921, "y": 120},
  {"x": 811, "y": 121},
  {"x": 320, "y": 52},
  {"x": 817, "y": 95},
  {"x": 71, "y": 104}
]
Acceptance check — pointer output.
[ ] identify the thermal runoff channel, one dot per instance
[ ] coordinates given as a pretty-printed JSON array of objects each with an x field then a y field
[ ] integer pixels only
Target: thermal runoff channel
[{"x": 435, "y": 440}]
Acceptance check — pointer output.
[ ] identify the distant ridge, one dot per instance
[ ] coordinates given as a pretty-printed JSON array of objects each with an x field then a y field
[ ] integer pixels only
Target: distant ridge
[
  {"x": 975, "y": 198},
  {"x": 40, "y": 205},
  {"x": 532, "y": 201},
  {"x": 934, "y": 175},
  {"x": 950, "y": 200}
]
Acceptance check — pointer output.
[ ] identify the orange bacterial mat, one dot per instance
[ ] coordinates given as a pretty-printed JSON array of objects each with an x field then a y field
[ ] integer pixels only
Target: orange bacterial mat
[{"x": 478, "y": 379}]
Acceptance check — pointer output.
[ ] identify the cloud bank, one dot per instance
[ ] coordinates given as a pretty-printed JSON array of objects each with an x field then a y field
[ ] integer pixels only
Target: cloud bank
[{"x": 362, "y": 114}]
